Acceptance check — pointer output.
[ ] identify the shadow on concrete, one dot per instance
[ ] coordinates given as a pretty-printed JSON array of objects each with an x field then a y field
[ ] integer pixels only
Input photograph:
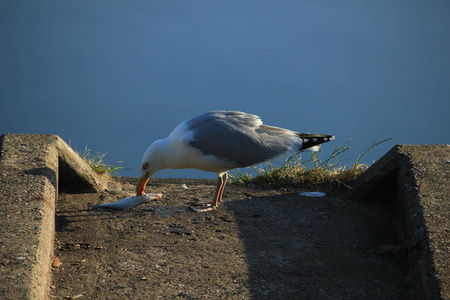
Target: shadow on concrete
[
  {"x": 66, "y": 220},
  {"x": 321, "y": 248},
  {"x": 47, "y": 172},
  {"x": 66, "y": 181},
  {"x": 70, "y": 180},
  {"x": 415, "y": 180}
]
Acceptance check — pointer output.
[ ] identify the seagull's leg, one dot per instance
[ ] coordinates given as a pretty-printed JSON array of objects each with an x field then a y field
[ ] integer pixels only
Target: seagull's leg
[
  {"x": 220, "y": 188},
  {"x": 202, "y": 206}
]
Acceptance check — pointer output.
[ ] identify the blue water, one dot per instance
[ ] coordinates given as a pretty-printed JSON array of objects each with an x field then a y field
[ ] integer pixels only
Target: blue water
[{"x": 116, "y": 76}]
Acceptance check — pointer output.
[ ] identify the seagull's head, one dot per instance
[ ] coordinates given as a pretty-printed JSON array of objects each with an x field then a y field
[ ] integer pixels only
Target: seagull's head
[{"x": 152, "y": 162}]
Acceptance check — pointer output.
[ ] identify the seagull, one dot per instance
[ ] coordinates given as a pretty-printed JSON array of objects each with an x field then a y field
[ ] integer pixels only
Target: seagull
[{"x": 219, "y": 141}]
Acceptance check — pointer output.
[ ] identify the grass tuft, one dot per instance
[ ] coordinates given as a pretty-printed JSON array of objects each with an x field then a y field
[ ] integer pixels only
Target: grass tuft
[
  {"x": 98, "y": 163},
  {"x": 312, "y": 171}
]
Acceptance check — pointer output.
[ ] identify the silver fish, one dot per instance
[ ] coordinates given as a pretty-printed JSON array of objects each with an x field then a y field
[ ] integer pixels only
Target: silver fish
[{"x": 129, "y": 202}]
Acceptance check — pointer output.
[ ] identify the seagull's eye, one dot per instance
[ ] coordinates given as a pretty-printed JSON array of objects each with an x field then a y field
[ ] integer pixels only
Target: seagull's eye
[{"x": 145, "y": 166}]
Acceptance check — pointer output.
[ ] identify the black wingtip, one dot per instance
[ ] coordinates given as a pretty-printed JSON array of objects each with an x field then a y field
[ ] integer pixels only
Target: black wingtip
[{"x": 311, "y": 140}]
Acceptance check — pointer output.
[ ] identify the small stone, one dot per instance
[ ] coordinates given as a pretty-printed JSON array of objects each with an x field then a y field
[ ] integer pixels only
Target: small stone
[{"x": 56, "y": 263}]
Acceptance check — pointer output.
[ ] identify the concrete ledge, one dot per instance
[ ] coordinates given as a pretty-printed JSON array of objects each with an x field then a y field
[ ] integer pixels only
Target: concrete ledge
[
  {"x": 417, "y": 180},
  {"x": 32, "y": 170},
  {"x": 35, "y": 168}
]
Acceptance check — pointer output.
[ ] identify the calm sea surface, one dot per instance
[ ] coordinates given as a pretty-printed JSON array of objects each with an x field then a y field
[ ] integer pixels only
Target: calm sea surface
[{"x": 114, "y": 77}]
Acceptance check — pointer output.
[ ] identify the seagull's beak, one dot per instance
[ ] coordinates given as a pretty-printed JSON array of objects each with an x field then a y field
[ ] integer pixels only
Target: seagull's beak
[{"x": 140, "y": 187}]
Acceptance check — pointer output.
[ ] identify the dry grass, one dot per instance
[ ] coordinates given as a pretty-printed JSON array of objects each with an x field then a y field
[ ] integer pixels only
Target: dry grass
[
  {"x": 312, "y": 171},
  {"x": 98, "y": 163}
]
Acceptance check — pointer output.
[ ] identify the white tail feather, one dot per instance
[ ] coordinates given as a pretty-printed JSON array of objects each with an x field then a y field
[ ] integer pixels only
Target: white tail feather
[{"x": 313, "y": 149}]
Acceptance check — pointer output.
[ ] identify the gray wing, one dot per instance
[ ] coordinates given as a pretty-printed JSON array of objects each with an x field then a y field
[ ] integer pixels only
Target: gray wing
[{"x": 238, "y": 137}]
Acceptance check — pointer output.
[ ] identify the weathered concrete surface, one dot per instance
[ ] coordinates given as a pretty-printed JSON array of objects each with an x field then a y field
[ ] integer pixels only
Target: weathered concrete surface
[
  {"x": 417, "y": 178},
  {"x": 32, "y": 169},
  {"x": 263, "y": 243}
]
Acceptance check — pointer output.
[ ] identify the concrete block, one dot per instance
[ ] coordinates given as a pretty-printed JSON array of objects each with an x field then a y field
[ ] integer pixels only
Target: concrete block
[
  {"x": 416, "y": 179},
  {"x": 32, "y": 170}
]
